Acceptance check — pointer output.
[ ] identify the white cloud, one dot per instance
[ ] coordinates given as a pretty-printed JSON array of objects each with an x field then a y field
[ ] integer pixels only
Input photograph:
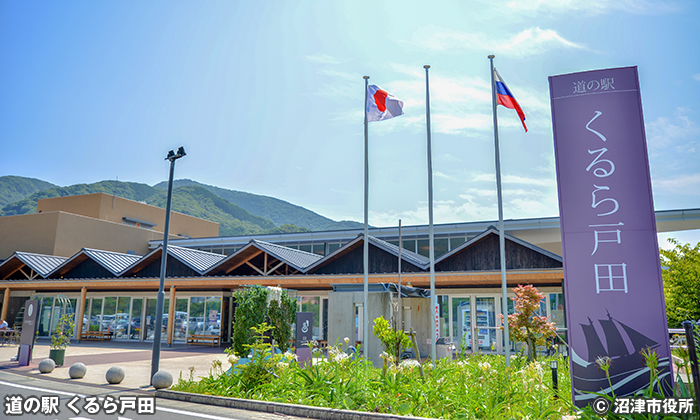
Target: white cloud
[
  {"x": 679, "y": 130},
  {"x": 592, "y": 7},
  {"x": 697, "y": 77},
  {"x": 688, "y": 184},
  {"x": 529, "y": 42}
]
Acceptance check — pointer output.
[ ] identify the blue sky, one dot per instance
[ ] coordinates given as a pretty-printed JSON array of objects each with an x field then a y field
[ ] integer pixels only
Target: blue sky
[{"x": 267, "y": 97}]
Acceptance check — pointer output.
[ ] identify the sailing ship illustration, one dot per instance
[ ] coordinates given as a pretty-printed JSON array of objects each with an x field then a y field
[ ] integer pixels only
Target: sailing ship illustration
[{"x": 628, "y": 372}]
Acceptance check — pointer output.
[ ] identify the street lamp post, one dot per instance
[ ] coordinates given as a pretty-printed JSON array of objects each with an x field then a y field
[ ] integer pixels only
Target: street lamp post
[{"x": 155, "y": 360}]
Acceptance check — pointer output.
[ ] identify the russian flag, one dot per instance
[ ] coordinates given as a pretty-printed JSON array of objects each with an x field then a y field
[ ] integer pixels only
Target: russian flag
[{"x": 505, "y": 97}]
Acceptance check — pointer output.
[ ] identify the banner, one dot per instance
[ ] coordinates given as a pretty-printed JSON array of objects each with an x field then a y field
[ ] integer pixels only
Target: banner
[{"x": 612, "y": 278}]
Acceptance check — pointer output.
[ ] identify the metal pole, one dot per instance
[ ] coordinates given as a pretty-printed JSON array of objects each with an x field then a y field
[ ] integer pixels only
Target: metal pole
[
  {"x": 365, "y": 252},
  {"x": 433, "y": 298},
  {"x": 155, "y": 359},
  {"x": 399, "y": 323},
  {"x": 501, "y": 237}
]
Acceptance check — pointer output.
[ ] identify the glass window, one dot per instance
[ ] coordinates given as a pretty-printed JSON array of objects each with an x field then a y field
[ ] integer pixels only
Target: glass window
[
  {"x": 95, "y": 314},
  {"x": 195, "y": 325},
  {"x": 306, "y": 248},
  {"x": 333, "y": 247},
  {"x": 108, "y": 314},
  {"x": 120, "y": 325},
  {"x": 180, "y": 325},
  {"x": 312, "y": 304},
  {"x": 213, "y": 315},
  {"x": 440, "y": 247},
  {"x": 443, "y": 302},
  {"x": 45, "y": 317},
  {"x": 556, "y": 306},
  {"x": 319, "y": 249},
  {"x": 455, "y": 242},
  {"x": 423, "y": 247},
  {"x": 136, "y": 325},
  {"x": 462, "y": 323},
  {"x": 409, "y": 245},
  {"x": 151, "y": 305}
]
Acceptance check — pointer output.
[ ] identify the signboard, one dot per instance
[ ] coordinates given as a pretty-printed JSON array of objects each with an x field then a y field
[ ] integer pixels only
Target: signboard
[
  {"x": 304, "y": 334},
  {"x": 612, "y": 277},
  {"x": 31, "y": 312}
]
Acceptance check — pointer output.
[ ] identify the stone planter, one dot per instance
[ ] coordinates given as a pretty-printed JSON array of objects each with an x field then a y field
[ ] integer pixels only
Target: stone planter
[{"x": 57, "y": 356}]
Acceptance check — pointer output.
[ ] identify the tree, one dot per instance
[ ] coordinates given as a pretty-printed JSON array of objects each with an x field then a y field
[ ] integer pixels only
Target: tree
[
  {"x": 681, "y": 277},
  {"x": 256, "y": 305},
  {"x": 524, "y": 325}
]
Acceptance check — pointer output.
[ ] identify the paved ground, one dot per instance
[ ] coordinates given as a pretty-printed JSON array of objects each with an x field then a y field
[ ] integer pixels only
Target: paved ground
[{"x": 134, "y": 358}]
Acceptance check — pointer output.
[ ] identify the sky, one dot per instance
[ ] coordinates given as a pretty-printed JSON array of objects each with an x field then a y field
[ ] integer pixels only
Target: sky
[{"x": 267, "y": 97}]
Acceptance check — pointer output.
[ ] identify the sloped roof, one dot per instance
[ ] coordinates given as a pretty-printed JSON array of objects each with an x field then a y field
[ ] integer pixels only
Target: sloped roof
[
  {"x": 114, "y": 262},
  {"x": 406, "y": 255},
  {"x": 199, "y": 261},
  {"x": 492, "y": 230},
  {"x": 294, "y": 257},
  {"x": 298, "y": 260},
  {"x": 40, "y": 263}
]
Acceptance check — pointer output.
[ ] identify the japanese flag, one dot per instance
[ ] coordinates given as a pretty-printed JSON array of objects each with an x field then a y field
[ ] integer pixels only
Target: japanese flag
[{"x": 382, "y": 105}]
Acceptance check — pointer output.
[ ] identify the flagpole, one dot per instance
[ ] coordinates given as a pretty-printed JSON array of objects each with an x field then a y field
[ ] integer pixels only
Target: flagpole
[
  {"x": 365, "y": 252},
  {"x": 433, "y": 298},
  {"x": 501, "y": 238}
]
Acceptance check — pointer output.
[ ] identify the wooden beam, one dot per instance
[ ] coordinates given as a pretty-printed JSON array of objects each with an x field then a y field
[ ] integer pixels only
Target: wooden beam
[
  {"x": 171, "y": 317},
  {"x": 240, "y": 263},
  {"x": 81, "y": 313},
  {"x": 255, "y": 268},
  {"x": 272, "y": 270},
  {"x": 5, "y": 303},
  {"x": 451, "y": 279}
]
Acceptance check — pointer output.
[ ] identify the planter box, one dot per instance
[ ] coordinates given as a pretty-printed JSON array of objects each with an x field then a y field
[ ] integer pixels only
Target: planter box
[{"x": 57, "y": 356}]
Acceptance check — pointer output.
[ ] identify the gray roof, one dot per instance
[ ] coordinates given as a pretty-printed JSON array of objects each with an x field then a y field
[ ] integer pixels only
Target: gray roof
[
  {"x": 42, "y": 264},
  {"x": 406, "y": 255},
  {"x": 199, "y": 261},
  {"x": 115, "y": 262},
  {"x": 294, "y": 257},
  {"x": 507, "y": 236}
]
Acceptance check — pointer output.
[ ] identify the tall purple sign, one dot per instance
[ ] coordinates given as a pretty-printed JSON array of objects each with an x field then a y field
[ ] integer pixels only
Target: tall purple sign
[{"x": 612, "y": 277}]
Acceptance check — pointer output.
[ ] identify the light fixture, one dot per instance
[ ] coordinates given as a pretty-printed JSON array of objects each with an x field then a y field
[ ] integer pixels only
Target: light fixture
[
  {"x": 155, "y": 357},
  {"x": 553, "y": 364}
]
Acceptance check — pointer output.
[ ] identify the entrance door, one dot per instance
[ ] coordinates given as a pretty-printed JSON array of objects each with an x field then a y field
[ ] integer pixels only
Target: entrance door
[{"x": 473, "y": 324}]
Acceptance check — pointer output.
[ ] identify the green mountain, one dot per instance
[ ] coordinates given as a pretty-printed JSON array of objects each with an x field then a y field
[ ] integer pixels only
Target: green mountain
[
  {"x": 191, "y": 199},
  {"x": 279, "y": 211},
  {"x": 15, "y": 188}
]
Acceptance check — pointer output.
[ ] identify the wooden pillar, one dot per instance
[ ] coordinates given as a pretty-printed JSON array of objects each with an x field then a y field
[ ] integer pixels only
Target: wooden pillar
[
  {"x": 171, "y": 316},
  {"x": 5, "y": 303},
  {"x": 80, "y": 314}
]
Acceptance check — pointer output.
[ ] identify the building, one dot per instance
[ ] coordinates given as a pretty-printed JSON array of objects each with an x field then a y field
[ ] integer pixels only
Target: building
[
  {"x": 116, "y": 291},
  {"x": 62, "y": 226}
]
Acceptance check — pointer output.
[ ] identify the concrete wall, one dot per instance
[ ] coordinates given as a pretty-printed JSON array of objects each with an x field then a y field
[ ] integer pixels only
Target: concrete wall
[
  {"x": 111, "y": 208},
  {"x": 65, "y": 234},
  {"x": 341, "y": 319},
  {"x": 420, "y": 321},
  {"x": 28, "y": 233}
]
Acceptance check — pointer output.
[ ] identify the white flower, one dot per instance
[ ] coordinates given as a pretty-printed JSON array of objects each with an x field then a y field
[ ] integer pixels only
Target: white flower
[
  {"x": 233, "y": 359},
  {"x": 409, "y": 363},
  {"x": 347, "y": 340},
  {"x": 340, "y": 357}
]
